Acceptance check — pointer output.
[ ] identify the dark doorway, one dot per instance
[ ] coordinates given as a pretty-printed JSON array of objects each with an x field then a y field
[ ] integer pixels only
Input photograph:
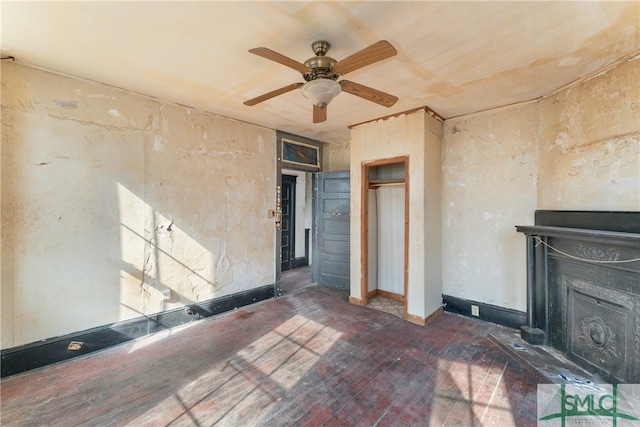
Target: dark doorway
[{"x": 287, "y": 246}]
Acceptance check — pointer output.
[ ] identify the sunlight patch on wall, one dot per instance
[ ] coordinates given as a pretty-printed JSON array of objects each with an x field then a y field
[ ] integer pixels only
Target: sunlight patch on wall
[
  {"x": 133, "y": 211},
  {"x": 162, "y": 266}
]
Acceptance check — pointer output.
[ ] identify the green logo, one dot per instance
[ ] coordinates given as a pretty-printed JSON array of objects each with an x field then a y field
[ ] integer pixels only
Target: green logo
[{"x": 603, "y": 405}]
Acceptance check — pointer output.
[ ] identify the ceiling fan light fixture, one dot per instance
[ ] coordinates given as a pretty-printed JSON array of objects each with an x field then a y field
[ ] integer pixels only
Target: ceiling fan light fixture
[{"x": 321, "y": 91}]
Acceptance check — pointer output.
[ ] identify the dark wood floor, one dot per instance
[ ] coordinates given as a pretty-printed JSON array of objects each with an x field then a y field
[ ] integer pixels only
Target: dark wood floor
[
  {"x": 292, "y": 280},
  {"x": 306, "y": 358}
]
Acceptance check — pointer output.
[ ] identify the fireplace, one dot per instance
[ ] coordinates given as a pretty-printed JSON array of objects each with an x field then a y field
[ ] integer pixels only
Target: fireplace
[{"x": 583, "y": 289}]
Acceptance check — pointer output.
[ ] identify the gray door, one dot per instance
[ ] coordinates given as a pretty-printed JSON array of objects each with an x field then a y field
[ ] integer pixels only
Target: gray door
[{"x": 331, "y": 230}]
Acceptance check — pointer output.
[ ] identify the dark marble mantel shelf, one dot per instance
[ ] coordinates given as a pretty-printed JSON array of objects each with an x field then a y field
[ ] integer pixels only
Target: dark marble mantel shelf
[{"x": 583, "y": 233}]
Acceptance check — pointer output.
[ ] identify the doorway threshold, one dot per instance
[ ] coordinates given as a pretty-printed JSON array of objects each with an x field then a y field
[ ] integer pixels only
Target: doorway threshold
[
  {"x": 293, "y": 280},
  {"x": 387, "y": 305}
]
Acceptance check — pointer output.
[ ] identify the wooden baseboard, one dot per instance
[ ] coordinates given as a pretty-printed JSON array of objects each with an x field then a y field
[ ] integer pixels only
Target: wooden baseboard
[
  {"x": 385, "y": 294},
  {"x": 422, "y": 321},
  {"x": 390, "y": 295},
  {"x": 354, "y": 300},
  {"x": 433, "y": 315}
]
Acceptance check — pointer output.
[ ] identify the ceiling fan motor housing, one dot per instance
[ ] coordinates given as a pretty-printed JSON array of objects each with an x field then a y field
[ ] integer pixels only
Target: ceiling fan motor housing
[
  {"x": 321, "y": 68},
  {"x": 321, "y": 65}
]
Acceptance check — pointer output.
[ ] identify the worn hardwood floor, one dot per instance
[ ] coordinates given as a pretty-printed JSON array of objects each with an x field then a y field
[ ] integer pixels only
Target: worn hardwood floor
[
  {"x": 295, "y": 279},
  {"x": 308, "y": 358}
]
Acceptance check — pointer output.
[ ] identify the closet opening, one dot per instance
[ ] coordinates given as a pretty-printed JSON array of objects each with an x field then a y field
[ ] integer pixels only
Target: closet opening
[{"x": 385, "y": 235}]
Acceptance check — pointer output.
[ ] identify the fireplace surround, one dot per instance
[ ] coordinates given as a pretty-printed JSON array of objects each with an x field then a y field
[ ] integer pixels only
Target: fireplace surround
[{"x": 583, "y": 289}]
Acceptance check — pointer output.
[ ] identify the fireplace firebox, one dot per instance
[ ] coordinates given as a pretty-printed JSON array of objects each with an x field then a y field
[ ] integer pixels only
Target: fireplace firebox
[{"x": 583, "y": 289}]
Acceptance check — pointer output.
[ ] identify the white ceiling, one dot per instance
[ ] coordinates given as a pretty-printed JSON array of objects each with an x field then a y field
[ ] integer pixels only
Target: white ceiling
[{"x": 455, "y": 57}]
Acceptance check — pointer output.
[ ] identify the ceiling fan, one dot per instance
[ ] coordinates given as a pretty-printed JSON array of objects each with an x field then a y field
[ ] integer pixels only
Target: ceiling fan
[{"x": 322, "y": 72}]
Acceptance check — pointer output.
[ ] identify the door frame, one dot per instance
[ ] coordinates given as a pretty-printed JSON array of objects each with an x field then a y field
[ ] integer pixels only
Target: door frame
[
  {"x": 366, "y": 184},
  {"x": 281, "y": 138}
]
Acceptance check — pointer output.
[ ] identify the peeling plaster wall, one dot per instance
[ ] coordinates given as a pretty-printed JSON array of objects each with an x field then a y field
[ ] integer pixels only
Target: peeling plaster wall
[
  {"x": 590, "y": 144},
  {"x": 336, "y": 157},
  {"x": 115, "y": 205},
  {"x": 577, "y": 149},
  {"x": 418, "y": 136},
  {"x": 489, "y": 185}
]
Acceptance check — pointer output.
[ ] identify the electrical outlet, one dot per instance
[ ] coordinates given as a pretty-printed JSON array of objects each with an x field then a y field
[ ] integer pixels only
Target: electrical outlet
[{"x": 475, "y": 310}]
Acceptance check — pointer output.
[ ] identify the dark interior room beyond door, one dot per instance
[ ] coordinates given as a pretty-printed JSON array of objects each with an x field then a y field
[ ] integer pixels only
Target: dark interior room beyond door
[{"x": 287, "y": 245}]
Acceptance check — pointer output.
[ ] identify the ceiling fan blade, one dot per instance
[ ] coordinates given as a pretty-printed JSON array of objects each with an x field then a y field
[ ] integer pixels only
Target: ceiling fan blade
[
  {"x": 368, "y": 93},
  {"x": 280, "y": 59},
  {"x": 272, "y": 94},
  {"x": 374, "y": 53},
  {"x": 319, "y": 114}
]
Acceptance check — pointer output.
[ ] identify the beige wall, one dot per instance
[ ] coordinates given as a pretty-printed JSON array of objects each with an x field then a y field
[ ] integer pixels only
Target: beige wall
[
  {"x": 115, "y": 205},
  {"x": 336, "y": 157},
  {"x": 578, "y": 149},
  {"x": 432, "y": 218},
  {"x": 590, "y": 144},
  {"x": 93, "y": 176},
  {"x": 489, "y": 185},
  {"x": 417, "y": 136}
]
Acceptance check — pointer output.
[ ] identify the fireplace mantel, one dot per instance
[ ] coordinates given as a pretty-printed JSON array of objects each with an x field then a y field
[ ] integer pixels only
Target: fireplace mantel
[
  {"x": 583, "y": 296},
  {"x": 579, "y": 233}
]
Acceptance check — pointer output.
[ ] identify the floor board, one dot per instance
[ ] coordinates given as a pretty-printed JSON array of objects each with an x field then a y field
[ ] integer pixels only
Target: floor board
[
  {"x": 295, "y": 279},
  {"x": 306, "y": 358}
]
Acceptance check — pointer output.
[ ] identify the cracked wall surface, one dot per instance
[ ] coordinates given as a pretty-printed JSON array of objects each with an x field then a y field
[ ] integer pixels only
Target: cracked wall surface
[
  {"x": 115, "y": 205},
  {"x": 336, "y": 157},
  {"x": 578, "y": 149},
  {"x": 489, "y": 185},
  {"x": 590, "y": 143}
]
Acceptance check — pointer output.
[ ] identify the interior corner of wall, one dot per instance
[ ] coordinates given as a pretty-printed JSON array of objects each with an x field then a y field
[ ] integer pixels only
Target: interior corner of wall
[{"x": 434, "y": 126}]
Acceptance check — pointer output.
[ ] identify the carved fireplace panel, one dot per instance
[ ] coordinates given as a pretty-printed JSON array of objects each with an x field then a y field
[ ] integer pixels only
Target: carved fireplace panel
[
  {"x": 583, "y": 292},
  {"x": 603, "y": 329},
  {"x": 594, "y": 314}
]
